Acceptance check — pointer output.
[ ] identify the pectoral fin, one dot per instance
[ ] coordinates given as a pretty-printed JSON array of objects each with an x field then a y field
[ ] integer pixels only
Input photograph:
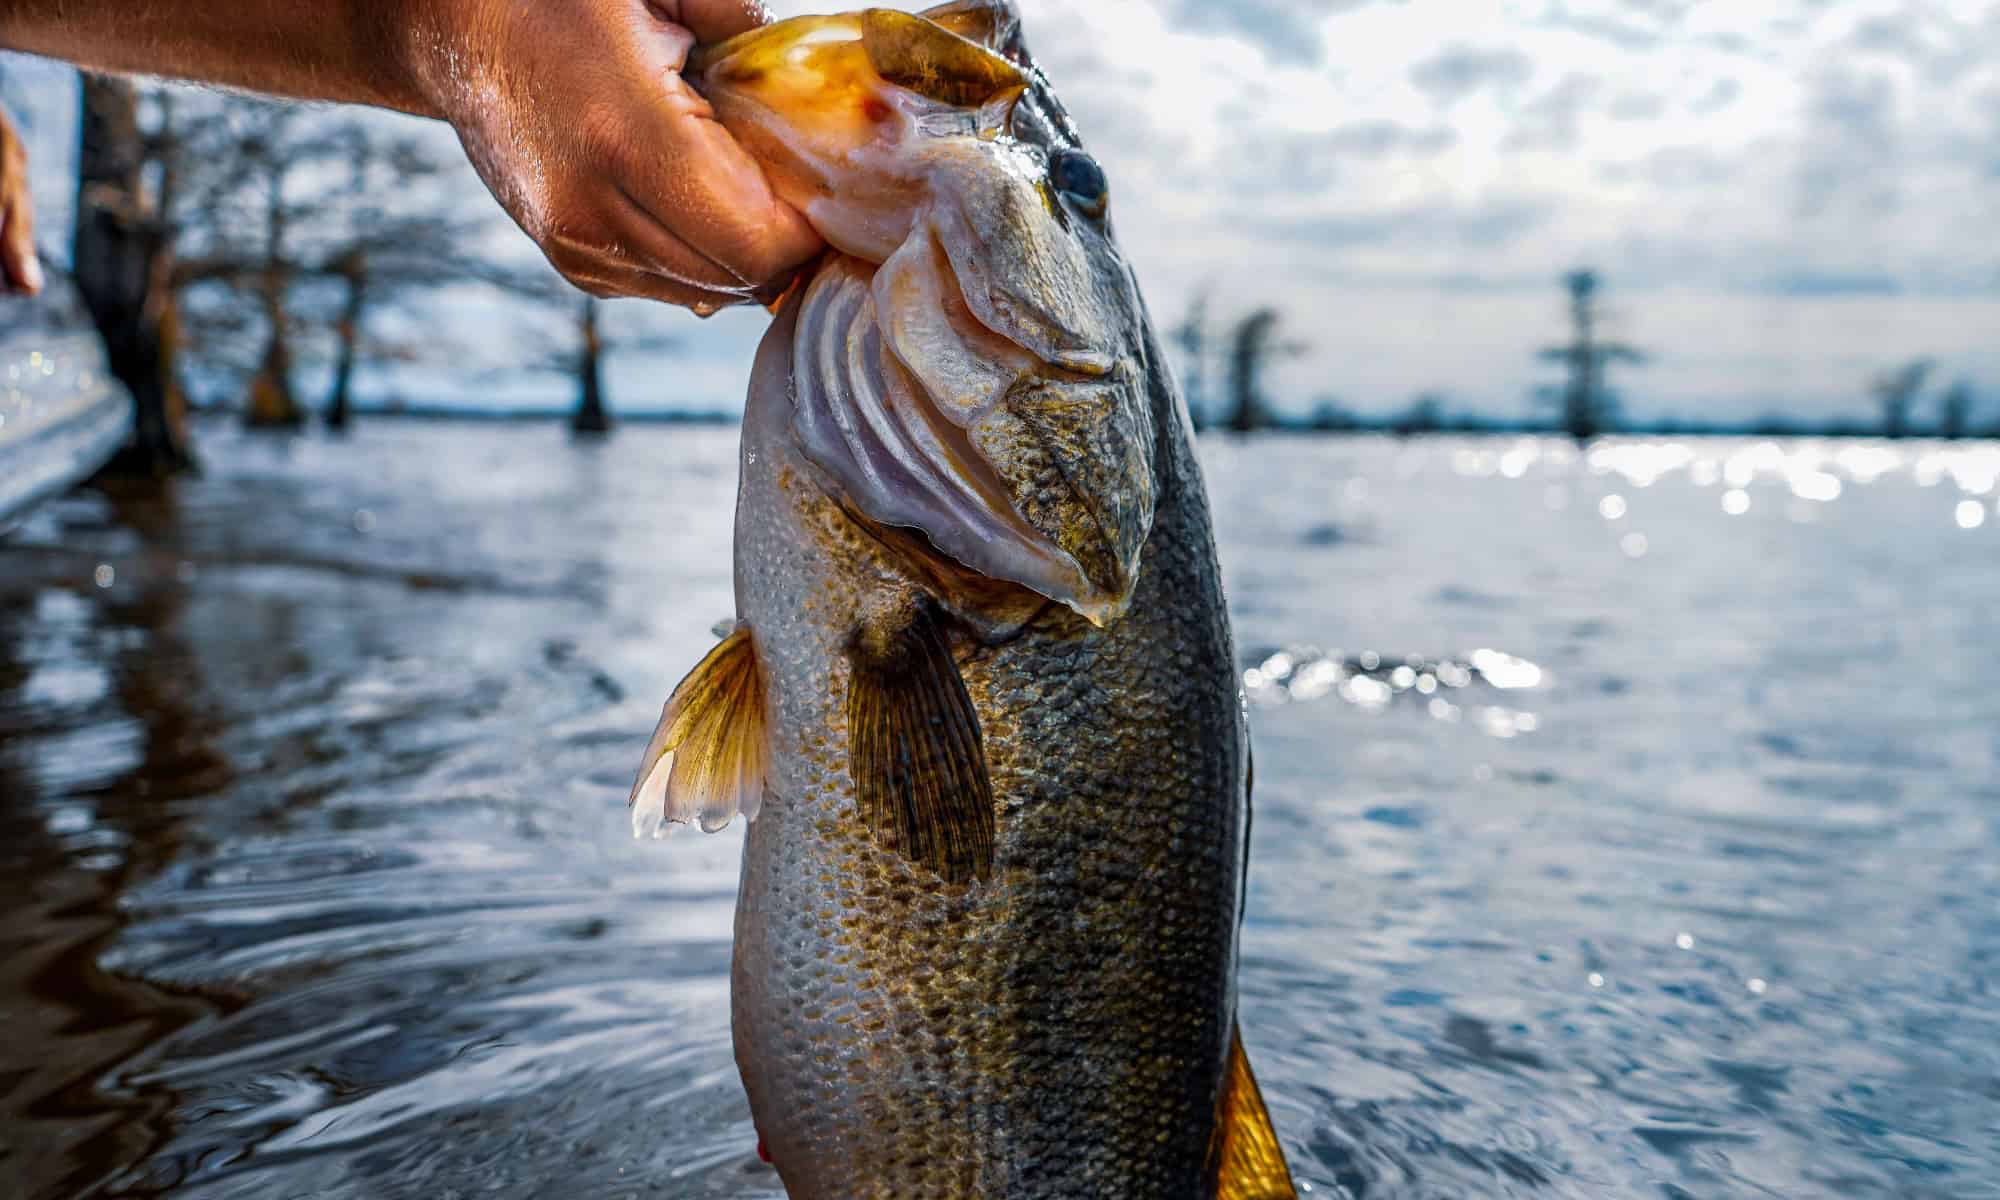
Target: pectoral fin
[
  {"x": 915, "y": 752},
  {"x": 706, "y": 760},
  {"x": 1249, "y": 1163}
]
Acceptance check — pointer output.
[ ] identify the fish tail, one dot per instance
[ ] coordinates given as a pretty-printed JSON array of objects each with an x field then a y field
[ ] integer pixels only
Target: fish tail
[
  {"x": 1248, "y": 1162},
  {"x": 706, "y": 762}
]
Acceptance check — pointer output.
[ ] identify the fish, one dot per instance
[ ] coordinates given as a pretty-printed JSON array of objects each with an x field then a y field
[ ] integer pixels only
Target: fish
[{"x": 978, "y": 705}]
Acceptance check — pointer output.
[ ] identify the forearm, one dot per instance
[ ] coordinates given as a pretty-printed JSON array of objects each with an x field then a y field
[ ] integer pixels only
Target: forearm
[
  {"x": 357, "y": 51},
  {"x": 574, "y": 112}
]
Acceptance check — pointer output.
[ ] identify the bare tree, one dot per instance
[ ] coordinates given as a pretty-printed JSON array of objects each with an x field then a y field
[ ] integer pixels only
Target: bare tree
[
  {"x": 591, "y": 416},
  {"x": 1896, "y": 391},
  {"x": 1588, "y": 405},
  {"x": 1253, "y": 346},
  {"x": 1192, "y": 337},
  {"x": 583, "y": 343},
  {"x": 1955, "y": 417},
  {"x": 123, "y": 256},
  {"x": 297, "y": 224},
  {"x": 1425, "y": 415}
]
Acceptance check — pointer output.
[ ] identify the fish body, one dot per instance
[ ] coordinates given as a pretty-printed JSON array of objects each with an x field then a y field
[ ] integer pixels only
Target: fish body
[{"x": 980, "y": 699}]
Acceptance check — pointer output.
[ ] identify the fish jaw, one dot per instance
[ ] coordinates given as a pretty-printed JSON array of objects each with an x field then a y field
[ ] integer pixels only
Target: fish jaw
[
  {"x": 837, "y": 110},
  {"x": 1044, "y": 482}
]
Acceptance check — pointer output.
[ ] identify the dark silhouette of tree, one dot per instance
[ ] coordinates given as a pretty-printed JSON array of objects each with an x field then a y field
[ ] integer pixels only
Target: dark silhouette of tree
[
  {"x": 1588, "y": 405},
  {"x": 1329, "y": 415},
  {"x": 1425, "y": 415},
  {"x": 1896, "y": 391},
  {"x": 123, "y": 262},
  {"x": 1955, "y": 416},
  {"x": 352, "y": 271},
  {"x": 1253, "y": 345},
  {"x": 585, "y": 342},
  {"x": 591, "y": 416},
  {"x": 1192, "y": 337}
]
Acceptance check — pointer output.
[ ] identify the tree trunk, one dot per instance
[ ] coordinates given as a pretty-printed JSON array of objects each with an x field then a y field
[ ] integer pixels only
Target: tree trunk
[
  {"x": 272, "y": 404},
  {"x": 591, "y": 415},
  {"x": 338, "y": 406},
  {"x": 1581, "y": 401},
  {"x": 1956, "y": 420},
  {"x": 123, "y": 261},
  {"x": 1253, "y": 346}
]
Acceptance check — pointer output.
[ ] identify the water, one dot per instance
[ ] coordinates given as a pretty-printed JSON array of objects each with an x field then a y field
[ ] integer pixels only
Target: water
[{"x": 1603, "y": 849}]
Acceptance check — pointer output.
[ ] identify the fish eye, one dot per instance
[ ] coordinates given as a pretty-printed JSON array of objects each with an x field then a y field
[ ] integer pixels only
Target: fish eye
[{"x": 1078, "y": 175}]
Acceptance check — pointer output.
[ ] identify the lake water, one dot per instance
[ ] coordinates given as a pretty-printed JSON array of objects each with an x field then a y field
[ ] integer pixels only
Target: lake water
[{"x": 1610, "y": 841}]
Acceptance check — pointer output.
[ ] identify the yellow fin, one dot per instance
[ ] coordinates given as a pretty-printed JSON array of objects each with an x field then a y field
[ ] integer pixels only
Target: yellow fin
[
  {"x": 1249, "y": 1163},
  {"x": 918, "y": 763},
  {"x": 706, "y": 760}
]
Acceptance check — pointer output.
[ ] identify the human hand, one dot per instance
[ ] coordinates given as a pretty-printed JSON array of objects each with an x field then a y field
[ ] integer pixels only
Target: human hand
[
  {"x": 576, "y": 116},
  {"x": 20, "y": 269}
]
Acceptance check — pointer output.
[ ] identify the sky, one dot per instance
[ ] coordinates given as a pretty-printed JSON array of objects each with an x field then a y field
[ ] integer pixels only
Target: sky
[{"x": 1783, "y": 197}]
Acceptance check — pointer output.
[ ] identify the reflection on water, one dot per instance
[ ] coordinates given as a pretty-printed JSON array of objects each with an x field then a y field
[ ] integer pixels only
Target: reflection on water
[
  {"x": 1579, "y": 871},
  {"x": 1447, "y": 689}
]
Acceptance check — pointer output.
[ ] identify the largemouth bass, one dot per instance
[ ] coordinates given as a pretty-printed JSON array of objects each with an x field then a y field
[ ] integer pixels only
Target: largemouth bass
[{"x": 980, "y": 702}]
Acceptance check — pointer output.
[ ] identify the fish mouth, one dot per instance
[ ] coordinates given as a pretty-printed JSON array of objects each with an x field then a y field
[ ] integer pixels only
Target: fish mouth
[
  {"x": 930, "y": 421},
  {"x": 963, "y": 362}
]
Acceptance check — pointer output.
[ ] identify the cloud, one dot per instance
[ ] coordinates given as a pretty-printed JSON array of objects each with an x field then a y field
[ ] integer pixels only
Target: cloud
[
  {"x": 1309, "y": 163},
  {"x": 1281, "y": 161},
  {"x": 1458, "y": 71},
  {"x": 1383, "y": 139},
  {"x": 1636, "y": 106},
  {"x": 1554, "y": 120},
  {"x": 1928, "y": 40},
  {"x": 1286, "y": 30},
  {"x": 1679, "y": 169},
  {"x": 1631, "y": 25},
  {"x": 1817, "y": 283},
  {"x": 1851, "y": 144},
  {"x": 1720, "y": 94},
  {"x": 1481, "y": 225}
]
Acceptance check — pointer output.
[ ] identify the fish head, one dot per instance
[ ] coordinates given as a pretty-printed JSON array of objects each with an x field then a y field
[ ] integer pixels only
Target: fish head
[{"x": 972, "y": 362}]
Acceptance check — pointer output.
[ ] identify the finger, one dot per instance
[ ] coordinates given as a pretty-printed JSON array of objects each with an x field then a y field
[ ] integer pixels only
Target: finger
[
  {"x": 22, "y": 266},
  {"x": 712, "y": 20},
  {"x": 638, "y": 285},
  {"x": 636, "y": 243},
  {"x": 602, "y": 276},
  {"x": 653, "y": 246},
  {"x": 704, "y": 187}
]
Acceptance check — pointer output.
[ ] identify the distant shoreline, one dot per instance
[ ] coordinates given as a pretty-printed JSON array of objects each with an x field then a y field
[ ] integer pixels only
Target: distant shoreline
[
  {"x": 1462, "y": 427},
  {"x": 510, "y": 416}
]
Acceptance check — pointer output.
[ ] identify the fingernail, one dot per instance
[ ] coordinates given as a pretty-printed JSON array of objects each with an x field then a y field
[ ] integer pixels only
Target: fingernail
[{"x": 31, "y": 273}]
